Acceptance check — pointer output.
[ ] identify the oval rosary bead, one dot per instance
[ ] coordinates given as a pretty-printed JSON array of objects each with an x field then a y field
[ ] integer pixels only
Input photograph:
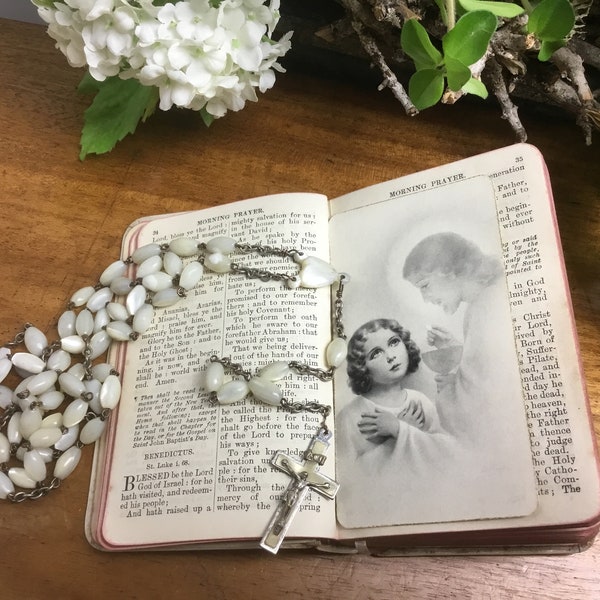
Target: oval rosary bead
[
  {"x": 4, "y": 448},
  {"x": 184, "y": 246},
  {"x": 143, "y": 318},
  {"x": 82, "y": 295},
  {"x": 232, "y": 391},
  {"x": 5, "y": 367},
  {"x": 121, "y": 286},
  {"x": 45, "y": 437},
  {"x": 336, "y": 352},
  {"x": 221, "y": 244},
  {"x": 51, "y": 400},
  {"x": 155, "y": 282},
  {"x": 21, "y": 478},
  {"x": 117, "y": 312},
  {"x": 92, "y": 431},
  {"x": 99, "y": 299},
  {"x": 31, "y": 420},
  {"x": 35, "y": 341},
  {"x": 59, "y": 361},
  {"x": 34, "y": 465},
  {"x": 77, "y": 370},
  {"x": 265, "y": 391},
  {"x": 53, "y": 420},
  {"x": 316, "y": 273},
  {"x": 42, "y": 382},
  {"x": 110, "y": 392},
  {"x": 172, "y": 264},
  {"x": 191, "y": 275},
  {"x": 143, "y": 252},
  {"x": 66, "y": 324},
  {"x": 217, "y": 262},
  {"x": 101, "y": 371},
  {"x": 93, "y": 386},
  {"x": 6, "y": 396},
  {"x": 101, "y": 320},
  {"x": 99, "y": 344},
  {"x": 135, "y": 299},
  {"x": 6, "y": 486},
  {"x": 74, "y": 413},
  {"x": 153, "y": 264},
  {"x": 214, "y": 376},
  {"x": 68, "y": 438},
  {"x": 28, "y": 362},
  {"x": 119, "y": 331},
  {"x": 114, "y": 270},
  {"x": 67, "y": 462},
  {"x": 166, "y": 298},
  {"x": 13, "y": 431},
  {"x": 71, "y": 385},
  {"x": 275, "y": 371},
  {"x": 73, "y": 344},
  {"x": 84, "y": 324}
]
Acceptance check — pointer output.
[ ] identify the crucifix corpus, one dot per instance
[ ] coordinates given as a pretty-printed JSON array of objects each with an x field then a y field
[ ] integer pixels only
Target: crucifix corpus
[{"x": 305, "y": 475}]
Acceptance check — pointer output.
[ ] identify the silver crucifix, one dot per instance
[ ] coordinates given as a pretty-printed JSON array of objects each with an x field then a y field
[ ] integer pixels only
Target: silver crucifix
[{"x": 305, "y": 475}]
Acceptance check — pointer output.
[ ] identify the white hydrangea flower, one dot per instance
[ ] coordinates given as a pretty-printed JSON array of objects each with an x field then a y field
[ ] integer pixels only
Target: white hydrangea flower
[{"x": 200, "y": 54}]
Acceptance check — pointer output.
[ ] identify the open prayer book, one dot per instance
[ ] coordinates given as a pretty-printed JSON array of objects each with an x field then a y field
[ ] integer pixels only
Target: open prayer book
[{"x": 481, "y": 442}]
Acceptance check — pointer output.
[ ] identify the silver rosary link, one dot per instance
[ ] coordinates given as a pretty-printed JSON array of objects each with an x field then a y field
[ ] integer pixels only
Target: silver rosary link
[{"x": 338, "y": 307}]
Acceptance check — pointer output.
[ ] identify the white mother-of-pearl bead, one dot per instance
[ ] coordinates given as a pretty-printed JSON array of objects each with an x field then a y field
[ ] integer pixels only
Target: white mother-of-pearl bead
[
  {"x": 155, "y": 282},
  {"x": 31, "y": 420},
  {"x": 13, "y": 431},
  {"x": 51, "y": 400},
  {"x": 114, "y": 270},
  {"x": 143, "y": 318},
  {"x": 66, "y": 323},
  {"x": 110, "y": 392},
  {"x": 28, "y": 362},
  {"x": 5, "y": 367},
  {"x": 117, "y": 312},
  {"x": 45, "y": 437},
  {"x": 184, "y": 246},
  {"x": 75, "y": 413},
  {"x": 232, "y": 391},
  {"x": 143, "y": 252},
  {"x": 84, "y": 324},
  {"x": 135, "y": 299},
  {"x": 21, "y": 478},
  {"x": 222, "y": 244},
  {"x": 172, "y": 264},
  {"x": 92, "y": 431},
  {"x": 275, "y": 371},
  {"x": 165, "y": 298},
  {"x": 34, "y": 465},
  {"x": 4, "y": 448},
  {"x": 99, "y": 344},
  {"x": 77, "y": 370},
  {"x": 101, "y": 319},
  {"x": 59, "y": 360},
  {"x": 265, "y": 391},
  {"x": 67, "y": 462},
  {"x": 6, "y": 486},
  {"x": 73, "y": 344},
  {"x": 42, "y": 382},
  {"x": 119, "y": 330},
  {"x": 217, "y": 262},
  {"x": 35, "y": 341},
  {"x": 214, "y": 376},
  {"x": 336, "y": 352},
  {"x": 153, "y": 264},
  {"x": 82, "y": 295},
  {"x": 191, "y": 275},
  {"x": 53, "y": 420},
  {"x": 99, "y": 299},
  {"x": 68, "y": 438},
  {"x": 71, "y": 385},
  {"x": 316, "y": 273},
  {"x": 101, "y": 371},
  {"x": 6, "y": 395},
  {"x": 121, "y": 286}
]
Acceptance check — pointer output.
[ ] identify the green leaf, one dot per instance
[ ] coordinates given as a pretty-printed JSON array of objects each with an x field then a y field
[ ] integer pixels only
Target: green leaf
[
  {"x": 426, "y": 87},
  {"x": 548, "y": 48},
  {"x": 476, "y": 87},
  {"x": 206, "y": 117},
  {"x": 88, "y": 85},
  {"x": 468, "y": 40},
  {"x": 457, "y": 74},
  {"x": 115, "y": 111},
  {"x": 416, "y": 43},
  {"x": 508, "y": 10},
  {"x": 552, "y": 20}
]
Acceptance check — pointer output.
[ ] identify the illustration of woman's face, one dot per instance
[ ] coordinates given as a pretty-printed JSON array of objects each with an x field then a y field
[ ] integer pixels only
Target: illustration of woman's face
[
  {"x": 441, "y": 289},
  {"x": 386, "y": 356}
]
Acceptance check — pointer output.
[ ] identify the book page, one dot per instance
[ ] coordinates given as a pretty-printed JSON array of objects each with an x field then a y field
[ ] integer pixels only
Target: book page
[
  {"x": 176, "y": 469},
  {"x": 429, "y": 413},
  {"x": 561, "y": 440}
]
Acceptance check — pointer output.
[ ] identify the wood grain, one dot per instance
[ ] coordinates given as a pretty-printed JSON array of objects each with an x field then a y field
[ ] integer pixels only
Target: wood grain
[{"x": 62, "y": 221}]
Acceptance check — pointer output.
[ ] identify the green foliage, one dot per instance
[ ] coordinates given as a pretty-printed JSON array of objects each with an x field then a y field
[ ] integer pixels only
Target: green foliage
[
  {"x": 551, "y": 22},
  {"x": 462, "y": 46},
  {"x": 506, "y": 10},
  {"x": 117, "y": 108}
]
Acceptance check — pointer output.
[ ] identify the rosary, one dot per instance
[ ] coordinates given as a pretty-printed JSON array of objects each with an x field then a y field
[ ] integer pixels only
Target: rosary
[{"x": 35, "y": 434}]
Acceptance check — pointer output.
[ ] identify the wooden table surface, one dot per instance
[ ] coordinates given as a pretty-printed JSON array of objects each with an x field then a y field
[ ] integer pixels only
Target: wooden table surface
[{"x": 62, "y": 221}]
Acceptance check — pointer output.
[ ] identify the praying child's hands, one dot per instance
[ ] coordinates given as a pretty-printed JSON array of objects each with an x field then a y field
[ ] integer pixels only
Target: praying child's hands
[{"x": 379, "y": 423}]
